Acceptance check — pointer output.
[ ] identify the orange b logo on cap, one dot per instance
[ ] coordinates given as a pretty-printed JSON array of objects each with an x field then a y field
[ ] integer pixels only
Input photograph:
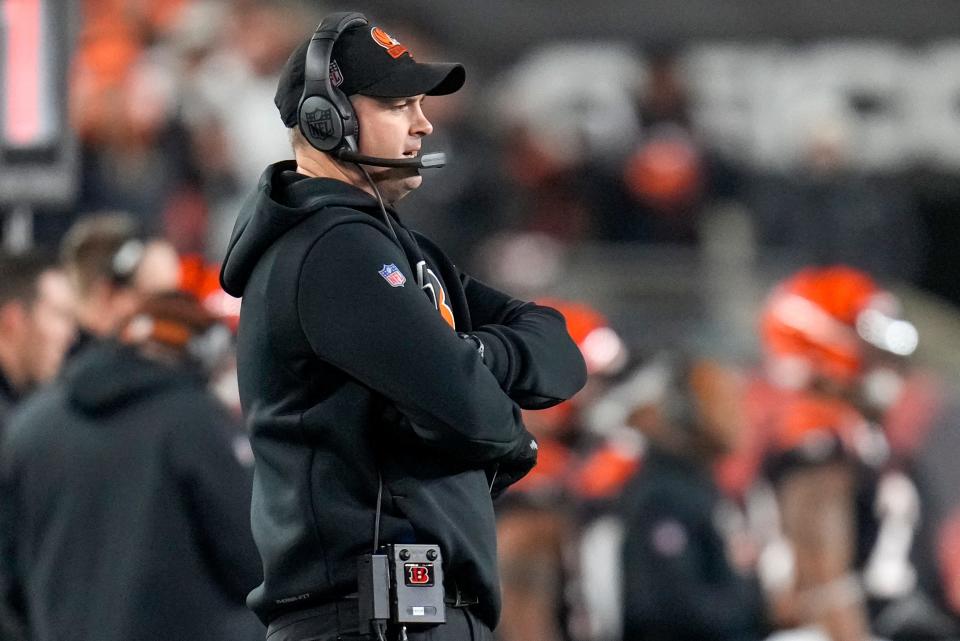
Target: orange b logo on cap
[{"x": 385, "y": 40}]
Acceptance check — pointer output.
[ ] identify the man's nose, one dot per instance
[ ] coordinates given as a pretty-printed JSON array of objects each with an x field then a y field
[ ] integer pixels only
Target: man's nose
[{"x": 422, "y": 126}]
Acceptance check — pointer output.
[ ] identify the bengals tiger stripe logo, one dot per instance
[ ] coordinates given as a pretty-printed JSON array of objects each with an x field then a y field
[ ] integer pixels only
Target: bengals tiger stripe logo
[
  {"x": 431, "y": 285},
  {"x": 388, "y": 42}
]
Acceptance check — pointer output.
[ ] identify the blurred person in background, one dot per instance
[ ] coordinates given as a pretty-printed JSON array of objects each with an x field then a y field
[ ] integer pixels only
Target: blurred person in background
[
  {"x": 238, "y": 50},
  {"x": 122, "y": 101},
  {"x": 157, "y": 88},
  {"x": 666, "y": 174},
  {"x": 36, "y": 325},
  {"x": 821, "y": 488},
  {"x": 674, "y": 175},
  {"x": 598, "y": 143},
  {"x": 111, "y": 268},
  {"x": 240, "y": 79},
  {"x": 36, "y": 329},
  {"x": 128, "y": 506},
  {"x": 666, "y": 177},
  {"x": 203, "y": 281},
  {"x": 537, "y": 518},
  {"x": 686, "y": 573},
  {"x": 567, "y": 121},
  {"x": 860, "y": 506}
]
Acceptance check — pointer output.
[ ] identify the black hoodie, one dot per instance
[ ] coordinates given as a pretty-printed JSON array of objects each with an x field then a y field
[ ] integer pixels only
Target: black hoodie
[
  {"x": 348, "y": 373},
  {"x": 128, "y": 506}
]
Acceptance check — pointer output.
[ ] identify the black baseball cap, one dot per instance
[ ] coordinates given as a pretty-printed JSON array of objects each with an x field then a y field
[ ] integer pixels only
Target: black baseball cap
[{"x": 368, "y": 61}]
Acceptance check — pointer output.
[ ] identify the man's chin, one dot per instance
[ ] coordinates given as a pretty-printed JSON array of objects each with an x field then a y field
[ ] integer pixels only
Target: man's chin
[
  {"x": 408, "y": 185},
  {"x": 400, "y": 183}
]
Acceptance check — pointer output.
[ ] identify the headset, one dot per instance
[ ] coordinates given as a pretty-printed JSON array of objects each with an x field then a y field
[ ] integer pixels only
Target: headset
[
  {"x": 126, "y": 260},
  {"x": 325, "y": 116}
]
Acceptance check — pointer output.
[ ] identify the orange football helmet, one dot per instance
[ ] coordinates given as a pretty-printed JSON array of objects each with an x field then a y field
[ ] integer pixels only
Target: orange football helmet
[
  {"x": 603, "y": 350},
  {"x": 823, "y": 322}
]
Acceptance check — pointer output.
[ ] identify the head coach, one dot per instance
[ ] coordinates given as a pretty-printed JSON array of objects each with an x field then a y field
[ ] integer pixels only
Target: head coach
[{"x": 382, "y": 385}]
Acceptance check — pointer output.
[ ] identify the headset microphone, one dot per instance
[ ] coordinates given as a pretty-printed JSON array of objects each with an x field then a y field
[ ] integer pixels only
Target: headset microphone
[{"x": 427, "y": 161}]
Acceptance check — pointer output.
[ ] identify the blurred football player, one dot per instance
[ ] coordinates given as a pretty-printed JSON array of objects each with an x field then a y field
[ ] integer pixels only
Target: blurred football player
[
  {"x": 536, "y": 518},
  {"x": 687, "y": 575},
  {"x": 849, "y": 510}
]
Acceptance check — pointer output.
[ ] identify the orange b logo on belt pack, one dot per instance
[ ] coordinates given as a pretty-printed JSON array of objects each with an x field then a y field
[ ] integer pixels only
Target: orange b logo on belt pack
[{"x": 419, "y": 573}]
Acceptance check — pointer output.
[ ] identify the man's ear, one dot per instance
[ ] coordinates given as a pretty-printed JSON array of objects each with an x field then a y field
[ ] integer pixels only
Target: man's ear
[
  {"x": 100, "y": 292},
  {"x": 13, "y": 317}
]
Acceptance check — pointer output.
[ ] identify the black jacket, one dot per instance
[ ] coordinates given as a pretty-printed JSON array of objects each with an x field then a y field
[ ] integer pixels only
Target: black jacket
[
  {"x": 345, "y": 375},
  {"x": 8, "y": 398},
  {"x": 678, "y": 584},
  {"x": 129, "y": 507},
  {"x": 11, "y": 627}
]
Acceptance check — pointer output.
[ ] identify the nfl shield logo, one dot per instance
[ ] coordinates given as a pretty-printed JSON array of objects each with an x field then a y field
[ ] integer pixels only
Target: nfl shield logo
[
  {"x": 320, "y": 123},
  {"x": 336, "y": 77},
  {"x": 393, "y": 275}
]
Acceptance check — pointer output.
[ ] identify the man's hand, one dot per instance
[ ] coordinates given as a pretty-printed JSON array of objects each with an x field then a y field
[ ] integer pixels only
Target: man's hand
[{"x": 514, "y": 466}]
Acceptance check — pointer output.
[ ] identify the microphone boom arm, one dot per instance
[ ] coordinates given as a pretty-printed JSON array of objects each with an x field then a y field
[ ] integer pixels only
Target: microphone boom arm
[{"x": 427, "y": 161}]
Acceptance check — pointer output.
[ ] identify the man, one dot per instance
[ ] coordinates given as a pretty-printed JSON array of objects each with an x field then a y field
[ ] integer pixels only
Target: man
[
  {"x": 36, "y": 325},
  {"x": 855, "y": 494},
  {"x": 129, "y": 503},
  {"x": 544, "y": 518},
  {"x": 36, "y": 328},
  {"x": 111, "y": 269},
  {"x": 685, "y": 578},
  {"x": 382, "y": 386}
]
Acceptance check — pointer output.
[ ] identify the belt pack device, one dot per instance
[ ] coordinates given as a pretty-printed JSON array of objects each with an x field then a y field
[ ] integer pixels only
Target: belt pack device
[{"x": 401, "y": 584}]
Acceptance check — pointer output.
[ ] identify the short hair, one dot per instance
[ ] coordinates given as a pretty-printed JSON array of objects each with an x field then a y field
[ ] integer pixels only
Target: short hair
[
  {"x": 21, "y": 274},
  {"x": 90, "y": 249},
  {"x": 297, "y": 140}
]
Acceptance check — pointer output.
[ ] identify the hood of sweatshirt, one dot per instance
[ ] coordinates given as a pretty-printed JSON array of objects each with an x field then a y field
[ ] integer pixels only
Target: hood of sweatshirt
[
  {"x": 107, "y": 377},
  {"x": 282, "y": 201}
]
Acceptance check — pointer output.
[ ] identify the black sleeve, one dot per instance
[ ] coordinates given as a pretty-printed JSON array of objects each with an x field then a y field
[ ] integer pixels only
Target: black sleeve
[
  {"x": 392, "y": 339},
  {"x": 526, "y": 346},
  {"x": 218, "y": 490},
  {"x": 12, "y": 607},
  {"x": 673, "y": 585}
]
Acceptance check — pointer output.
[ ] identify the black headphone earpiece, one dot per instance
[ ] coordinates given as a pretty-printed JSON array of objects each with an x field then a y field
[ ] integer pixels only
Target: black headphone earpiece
[
  {"x": 325, "y": 116},
  {"x": 125, "y": 261}
]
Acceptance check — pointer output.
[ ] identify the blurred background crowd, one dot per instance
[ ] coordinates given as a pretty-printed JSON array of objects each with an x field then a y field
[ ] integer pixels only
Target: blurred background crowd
[{"x": 748, "y": 214}]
